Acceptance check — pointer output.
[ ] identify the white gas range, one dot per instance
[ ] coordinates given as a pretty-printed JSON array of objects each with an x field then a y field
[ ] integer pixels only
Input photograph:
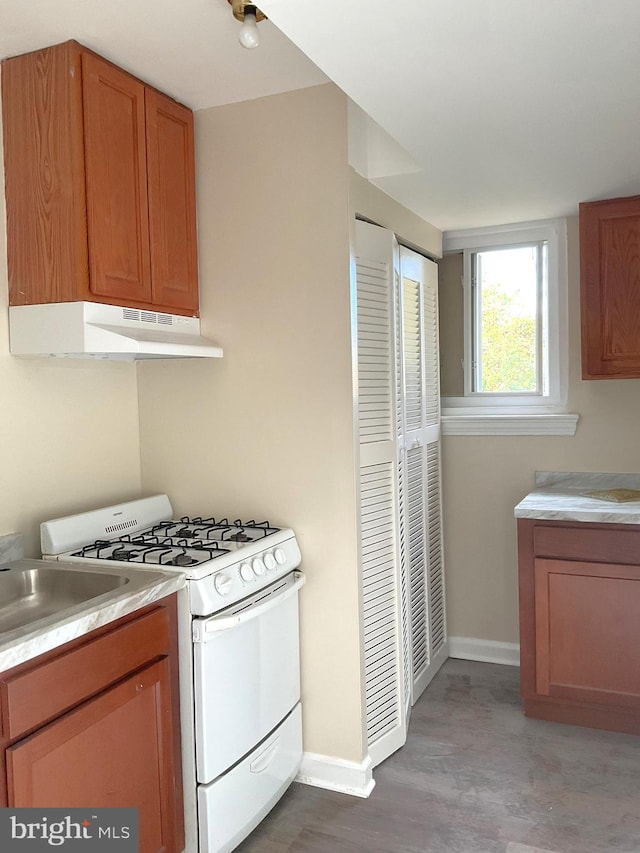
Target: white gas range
[{"x": 239, "y": 651}]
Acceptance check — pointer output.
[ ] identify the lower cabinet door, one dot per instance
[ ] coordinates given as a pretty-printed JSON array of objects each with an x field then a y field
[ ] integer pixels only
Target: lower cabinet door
[
  {"x": 587, "y": 635},
  {"x": 116, "y": 750}
]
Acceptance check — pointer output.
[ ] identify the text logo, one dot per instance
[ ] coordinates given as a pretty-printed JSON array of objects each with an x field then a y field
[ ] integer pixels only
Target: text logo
[{"x": 37, "y": 830}]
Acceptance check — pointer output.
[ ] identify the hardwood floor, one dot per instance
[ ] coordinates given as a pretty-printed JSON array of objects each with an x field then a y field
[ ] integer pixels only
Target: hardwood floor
[{"x": 475, "y": 776}]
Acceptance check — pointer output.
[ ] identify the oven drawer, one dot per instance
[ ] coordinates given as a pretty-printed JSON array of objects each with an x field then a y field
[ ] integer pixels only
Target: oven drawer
[
  {"x": 246, "y": 674},
  {"x": 234, "y": 804}
]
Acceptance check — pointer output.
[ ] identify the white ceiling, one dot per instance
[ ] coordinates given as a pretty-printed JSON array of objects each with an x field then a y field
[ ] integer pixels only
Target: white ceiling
[
  {"x": 187, "y": 48},
  {"x": 513, "y": 109},
  {"x": 510, "y": 109}
]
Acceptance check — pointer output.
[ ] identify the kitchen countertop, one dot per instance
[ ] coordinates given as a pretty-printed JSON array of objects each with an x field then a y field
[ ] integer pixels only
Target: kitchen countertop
[
  {"x": 19, "y": 646},
  {"x": 11, "y": 547},
  {"x": 561, "y": 497}
]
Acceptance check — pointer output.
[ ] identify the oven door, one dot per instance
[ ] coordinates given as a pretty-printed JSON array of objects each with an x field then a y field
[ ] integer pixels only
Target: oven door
[{"x": 246, "y": 674}]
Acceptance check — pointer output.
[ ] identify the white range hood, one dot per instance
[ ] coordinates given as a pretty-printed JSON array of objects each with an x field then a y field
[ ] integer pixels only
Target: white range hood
[{"x": 93, "y": 330}]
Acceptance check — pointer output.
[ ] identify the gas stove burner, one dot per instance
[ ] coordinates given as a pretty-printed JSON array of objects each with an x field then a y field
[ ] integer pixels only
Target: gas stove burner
[
  {"x": 245, "y": 532},
  {"x": 100, "y": 548},
  {"x": 221, "y": 528},
  {"x": 238, "y": 537},
  {"x": 122, "y": 554},
  {"x": 181, "y": 560}
]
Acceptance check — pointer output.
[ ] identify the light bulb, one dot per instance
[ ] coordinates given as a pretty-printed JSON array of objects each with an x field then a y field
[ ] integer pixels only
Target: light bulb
[{"x": 249, "y": 36}]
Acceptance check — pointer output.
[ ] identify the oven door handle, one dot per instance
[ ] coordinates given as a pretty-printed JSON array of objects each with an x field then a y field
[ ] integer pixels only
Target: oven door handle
[{"x": 202, "y": 627}]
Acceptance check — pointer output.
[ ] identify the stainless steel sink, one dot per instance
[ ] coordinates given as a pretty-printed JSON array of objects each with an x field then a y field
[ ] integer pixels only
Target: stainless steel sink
[
  {"x": 28, "y": 595},
  {"x": 44, "y": 604}
]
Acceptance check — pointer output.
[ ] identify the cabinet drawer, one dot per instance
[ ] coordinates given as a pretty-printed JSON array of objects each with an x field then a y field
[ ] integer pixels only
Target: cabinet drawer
[
  {"x": 33, "y": 697},
  {"x": 588, "y": 543}
]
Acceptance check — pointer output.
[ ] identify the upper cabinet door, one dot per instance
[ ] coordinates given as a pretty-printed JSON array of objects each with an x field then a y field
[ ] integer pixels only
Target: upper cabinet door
[
  {"x": 610, "y": 288},
  {"x": 172, "y": 207},
  {"x": 116, "y": 180},
  {"x": 44, "y": 176}
]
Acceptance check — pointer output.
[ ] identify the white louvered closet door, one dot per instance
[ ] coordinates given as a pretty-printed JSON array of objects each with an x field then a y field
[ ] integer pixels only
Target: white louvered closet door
[
  {"x": 438, "y": 643},
  {"x": 404, "y": 546},
  {"x": 376, "y": 274},
  {"x": 419, "y": 442}
]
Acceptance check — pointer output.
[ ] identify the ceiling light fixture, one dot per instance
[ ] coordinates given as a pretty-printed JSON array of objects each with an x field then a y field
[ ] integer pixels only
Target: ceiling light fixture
[{"x": 249, "y": 14}]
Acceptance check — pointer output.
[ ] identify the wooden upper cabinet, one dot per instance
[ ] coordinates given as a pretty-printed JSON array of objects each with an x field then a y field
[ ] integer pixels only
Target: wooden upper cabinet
[
  {"x": 116, "y": 178},
  {"x": 172, "y": 201},
  {"x": 47, "y": 250},
  {"x": 610, "y": 288},
  {"x": 100, "y": 185}
]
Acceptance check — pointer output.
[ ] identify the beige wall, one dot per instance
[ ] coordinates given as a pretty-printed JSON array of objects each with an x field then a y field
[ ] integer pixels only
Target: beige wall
[
  {"x": 267, "y": 431},
  {"x": 484, "y": 477},
  {"x": 451, "y": 308},
  {"x": 369, "y": 201},
  {"x": 68, "y": 432}
]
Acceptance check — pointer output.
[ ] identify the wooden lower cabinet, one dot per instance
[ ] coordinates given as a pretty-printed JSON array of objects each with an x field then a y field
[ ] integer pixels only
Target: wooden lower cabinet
[
  {"x": 117, "y": 748},
  {"x": 579, "y": 626}
]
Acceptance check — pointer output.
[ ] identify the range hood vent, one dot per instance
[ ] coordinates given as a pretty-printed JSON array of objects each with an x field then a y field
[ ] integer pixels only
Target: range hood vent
[{"x": 93, "y": 330}]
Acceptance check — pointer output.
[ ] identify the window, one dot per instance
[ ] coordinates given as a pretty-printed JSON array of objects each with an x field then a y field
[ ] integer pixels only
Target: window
[
  {"x": 513, "y": 351},
  {"x": 509, "y": 330}
]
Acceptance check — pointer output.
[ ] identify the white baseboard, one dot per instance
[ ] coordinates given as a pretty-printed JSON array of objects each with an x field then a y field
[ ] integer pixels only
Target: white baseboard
[
  {"x": 336, "y": 774},
  {"x": 489, "y": 651}
]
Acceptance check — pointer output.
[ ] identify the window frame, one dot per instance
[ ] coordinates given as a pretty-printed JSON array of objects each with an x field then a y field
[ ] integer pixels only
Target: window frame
[
  {"x": 519, "y": 414},
  {"x": 554, "y": 233}
]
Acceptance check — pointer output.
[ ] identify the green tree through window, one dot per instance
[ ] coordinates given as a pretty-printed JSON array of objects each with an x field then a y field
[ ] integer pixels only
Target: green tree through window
[
  {"x": 508, "y": 291},
  {"x": 508, "y": 343}
]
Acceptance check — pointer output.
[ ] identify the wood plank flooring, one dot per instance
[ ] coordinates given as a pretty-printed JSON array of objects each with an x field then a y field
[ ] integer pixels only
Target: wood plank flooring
[{"x": 475, "y": 776}]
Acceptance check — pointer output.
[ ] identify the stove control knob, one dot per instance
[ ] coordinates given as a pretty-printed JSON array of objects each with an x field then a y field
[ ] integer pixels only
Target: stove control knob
[
  {"x": 223, "y": 584},
  {"x": 246, "y": 572},
  {"x": 270, "y": 561},
  {"x": 281, "y": 557},
  {"x": 258, "y": 566}
]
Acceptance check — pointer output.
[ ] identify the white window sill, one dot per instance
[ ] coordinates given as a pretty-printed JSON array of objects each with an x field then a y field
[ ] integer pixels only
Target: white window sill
[{"x": 456, "y": 422}]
